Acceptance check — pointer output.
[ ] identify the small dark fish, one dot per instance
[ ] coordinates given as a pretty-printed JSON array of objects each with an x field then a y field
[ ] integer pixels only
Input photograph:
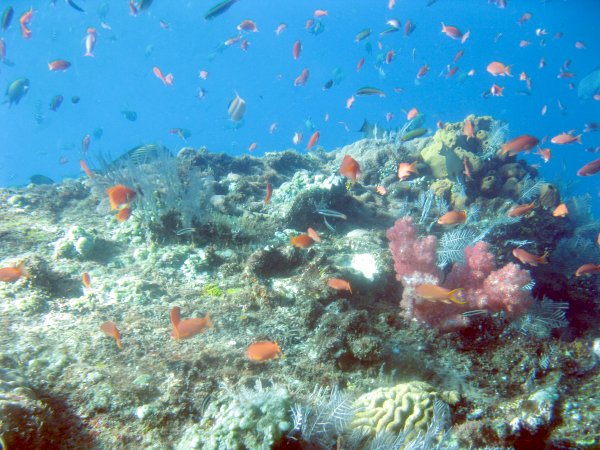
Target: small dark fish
[
  {"x": 129, "y": 115},
  {"x": 16, "y": 91},
  {"x": 431, "y": 2},
  {"x": 74, "y": 5},
  {"x": 75, "y": 99},
  {"x": 327, "y": 85},
  {"x": 56, "y": 102},
  {"x": 98, "y": 132},
  {"x": 388, "y": 31},
  {"x": 523, "y": 92},
  {"x": 7, "y": 16},
  {"x": 367, "y": 90},
  {"x": 362, "y": 34},
  {"x": 144, "y": 4},
  {"x": 592, "y": 149},
  {"x": 218, "y": 9},
  {"x": 332, "y": 213},
  {"x": 40, "y": 179},
  {"x": 591, "y": 126},
  {"x": 317, "y": 28},
  {"x": 413, "y": 134}
]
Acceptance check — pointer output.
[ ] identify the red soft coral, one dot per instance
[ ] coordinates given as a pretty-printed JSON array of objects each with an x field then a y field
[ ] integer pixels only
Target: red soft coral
[
  {"x": 485, "y": 287},
  {"x": 411, "y": 254}
]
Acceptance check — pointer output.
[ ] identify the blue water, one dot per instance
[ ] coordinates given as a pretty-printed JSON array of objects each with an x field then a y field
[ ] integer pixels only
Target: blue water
[{"x": 119, "y": 77}]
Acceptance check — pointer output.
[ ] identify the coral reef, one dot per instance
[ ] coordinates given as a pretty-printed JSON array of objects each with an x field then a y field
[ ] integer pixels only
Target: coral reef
[{"x": 521, "y": 348}]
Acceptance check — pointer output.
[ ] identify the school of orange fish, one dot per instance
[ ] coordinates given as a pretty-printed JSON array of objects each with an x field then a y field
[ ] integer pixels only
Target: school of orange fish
[{"x": 121, "y": 197}]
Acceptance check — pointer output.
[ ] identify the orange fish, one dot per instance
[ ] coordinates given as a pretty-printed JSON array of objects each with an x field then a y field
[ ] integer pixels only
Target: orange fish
[
  {"x": 587, "y": 270},
  {"x": 124, "y": 214},
  {"x": 111, "y": 329},
  {"x": 350, "y": 168},
  {"x": 406, "y": 169},
  {"x": 522, "y": 143},
  {"x": 528, "y": 258},
  {"x": 302, "y": 241},
  {"x": 544, "y": 154},
  {"x": 313, "y": 235},
  {"x": 268, "y": 195},
  {"x": 565, "y": 138},
  {"x": 451, "y": 32},
  {"x": 496, "y": 90},
  {"x": 24, "y": 22},
  {"x": 360, "y": 64},
  {"x": 296, "y": 49},
  {"x": 521, "y": 210},
  {"x": 85, "y": 168},
  {"x": 524, "y": 43},
  {"x": 85, "y": 279},
  {"x": 381, "y": 190},
  {"x": 422, "y": 71},
  {"x": 320, "y": 13},
  {"x": 433, "y": 292},
  {"x": 301, "y": 79},
  {"x": 12, "y": 274},
  {"x": 261, "y": 351},
  {"x": 252, "y": 147},
  {"x": 247, "y": 25},
  {"x": 339, "y": 284},
  {"x": 350, "y": 102},
  {"x": 120, "y": 195},
  {"x": 498, "y": 69},
  {"x": 412, "y": 114},
  {"x": 187, "y": 328},
  {"x": 466, "y": 170},
  {"x": 167, "y": 80},
  {"x": 313, "y": 140},
  {"x": 560, "y": 211},
  {"x": 523, "y": 76},
  {"x": 468, "y": 129},
  {"x": 453, "y": 218},
  {"x": 58, "y": 64}
]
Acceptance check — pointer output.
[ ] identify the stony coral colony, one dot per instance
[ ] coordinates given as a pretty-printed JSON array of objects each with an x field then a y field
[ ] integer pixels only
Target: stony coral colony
[{"x": 286, "y": 254}]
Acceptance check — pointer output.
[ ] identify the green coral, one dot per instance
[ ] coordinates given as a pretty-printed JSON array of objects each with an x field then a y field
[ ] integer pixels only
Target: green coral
[
  {"x": 212, "y": 290},
  {"x": 76, "y": 243},
  {"x": 404, "y": 408}
]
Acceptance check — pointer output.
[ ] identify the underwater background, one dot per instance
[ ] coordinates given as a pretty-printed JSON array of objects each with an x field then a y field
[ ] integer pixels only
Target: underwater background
[{"x": 254, "y": 224}]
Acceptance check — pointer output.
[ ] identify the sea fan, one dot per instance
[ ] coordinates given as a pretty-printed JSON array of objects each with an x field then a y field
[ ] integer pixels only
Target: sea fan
[
  {"x": 530, "y": 188},
  {"x": 542, "y": 318},
  {"x": 452, "y": 244},
  {"x": 322, "y": 417},
  {"x": 496, "y": 135}
]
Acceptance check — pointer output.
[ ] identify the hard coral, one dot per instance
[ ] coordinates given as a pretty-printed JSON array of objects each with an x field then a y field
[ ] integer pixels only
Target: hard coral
[{"x": 405, "y": 408}]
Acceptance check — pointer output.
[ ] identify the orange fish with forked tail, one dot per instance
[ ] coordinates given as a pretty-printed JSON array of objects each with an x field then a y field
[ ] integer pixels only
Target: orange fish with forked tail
[
  {"x": 587, "y": 270},
  {"x": 187, "y": 328},
  {"x": 262, "y": 351},
  {"x": 521, "y": 210},
  {"x": 119, "y": 195},
  {"x": 350, "y": 168},
  {"x": 339, "y": 285},
  {"x": 12, "y": 274},
  {"x": 453, "y": 218},
  {"x": 110, "y": 329},
  {"x": 527, "y": 258},
  {"x": 405, "y": 170},
  {"x": 498, "y": 69},
  {"x": 434, "y": 293},
  {"x": 302, "y": 241}
]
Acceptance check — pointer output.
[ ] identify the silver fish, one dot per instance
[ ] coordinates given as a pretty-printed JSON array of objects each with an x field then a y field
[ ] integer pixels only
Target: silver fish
[{"x": 237, "y": 108}]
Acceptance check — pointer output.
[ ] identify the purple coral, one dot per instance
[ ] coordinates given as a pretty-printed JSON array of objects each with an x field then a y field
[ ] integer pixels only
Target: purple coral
[{"x": 485, "y": 287}]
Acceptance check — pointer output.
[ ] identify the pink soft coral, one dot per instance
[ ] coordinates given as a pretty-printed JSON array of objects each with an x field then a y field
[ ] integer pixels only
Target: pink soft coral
[
  {"x": 411, "y": 254},
  {"x": 485, "y": 287}
]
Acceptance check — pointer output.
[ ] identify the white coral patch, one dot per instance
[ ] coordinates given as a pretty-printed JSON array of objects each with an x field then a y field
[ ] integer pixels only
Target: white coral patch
[{"x": 365, "y": 264}]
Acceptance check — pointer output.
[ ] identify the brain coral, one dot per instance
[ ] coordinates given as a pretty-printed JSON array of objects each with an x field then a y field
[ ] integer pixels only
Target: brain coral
[{"x": 406, "y": 407}]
